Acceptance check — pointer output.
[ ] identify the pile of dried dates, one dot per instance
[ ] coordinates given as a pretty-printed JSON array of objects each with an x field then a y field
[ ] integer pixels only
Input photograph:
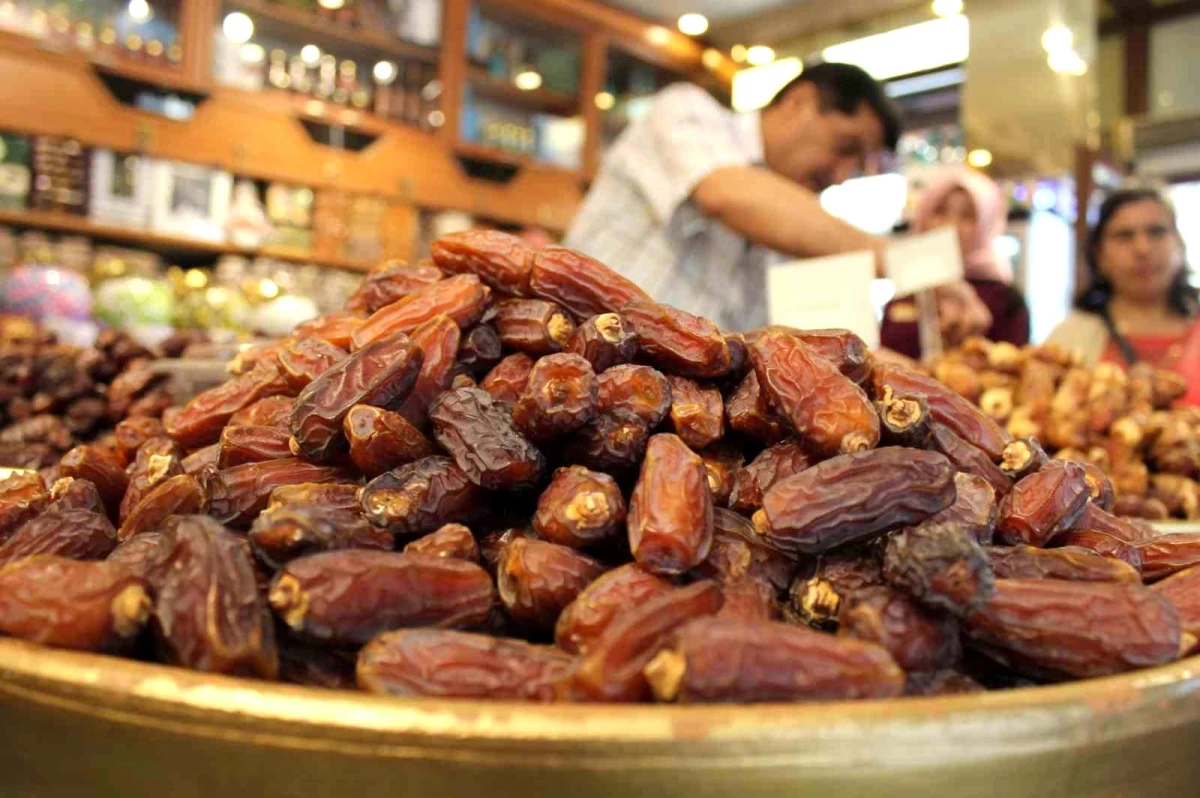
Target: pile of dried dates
[
  {"x": 1123, "y": 422},
  {"x": 510, "y": 474}
]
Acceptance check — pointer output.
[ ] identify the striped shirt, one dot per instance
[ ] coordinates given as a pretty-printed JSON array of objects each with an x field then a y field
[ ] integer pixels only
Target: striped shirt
[{"x": 638, "y": 217}]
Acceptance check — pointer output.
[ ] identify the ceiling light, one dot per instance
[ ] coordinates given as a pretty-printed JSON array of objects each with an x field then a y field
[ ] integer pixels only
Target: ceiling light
[
  {"x": 605, "y": 100},
  {"x": 659, "y": 35},
  {"x": 760, "y": 55},
  {"x": 711, "y": 58},
  {"x": 979, "y": 158},
  {"x": 332, "y": 5},
  {"x": 754, "y": 88},
  {"x": 384, "y": 72},
  {"x": 237, "y": 27},
  {"x": 738, "y": 53},
  {"x": 905, "y": 51},
  {"x": 527, "y": 80},
  {"x": 1067, "y": 62},
  {"x": 139, "y": 10},
  {"x": 252, "y": 53},
  {"x": 1056, "y": 38},
  {"x": 947, "y": 8},
  {"x": 693, "y": 24},
  {"x": 436, "y": 118},
  {"x": 310, "y": 54}
]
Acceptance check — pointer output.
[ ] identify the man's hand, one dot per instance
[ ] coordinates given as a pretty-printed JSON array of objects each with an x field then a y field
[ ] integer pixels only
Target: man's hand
[{"x": 961, "y": 313}]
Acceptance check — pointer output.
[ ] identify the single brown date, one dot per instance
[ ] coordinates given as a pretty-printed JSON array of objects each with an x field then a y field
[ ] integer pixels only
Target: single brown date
[
  {"x": 1104, "y": 545},
  {"x": 1168, "y": 554},
  {"x": 777, "y": 462},
  {"x": 530, "y": 325},
  {"x": 381, "y": 440},
  {"x": 302, "y": 361},
  {"x": 582, "y": 285},
  {"x": 855, "y": 497},
  {"x": 138, "y": 555},
  {"x": 202, "y": 419},
  {"x": 379, "y": 374},
  {"x": 968, "y": 459},
  {"x": 842, "y": 348},
  {"x": 501, "y": 260},
  {"x": 70, "y": 493},
  {"x": 178, "y": 495},
  {"x": 612, "y": 668},
  {"x": 604, "y": 341},
  {"x": 508, "y": 379},
  {"x": 579, "y": 508},
  {"x": 821, "y": 586},
  {"x": 962, "y": 418},
  {"x": 918, "y": 640},
  {"x": 133, "y": 432},
  {"x": 420, "y": 497},
  {"x": 1183, "y": 591},
  {"x": 102, "y": 470},
  {"x": 536, "y": 580},
  {"x": 737, "y": 554},
  {"x": 974, "y": 508},
  {"x": 331, "y": 495},
  {"x": 1130, "y": 530},
  {"x": 238, "y": 494},
  {"x": 602, "y": 602},
  {"x": 438, "y": 340},
  {"x": 481, "y": 438},
  {"x": 1043, "y": 505},
  {"x": 22, "y": 496},
  {"x": 347, "y": 597},
  {"x": 288, "y": 531},
  {"x": 1100, "y": 487},
  {"x": 334, "y": 328},
  {"x": 670, "y": 512},
  {"x": 638, "y": 389},
  {"x": 1048, "y": 627},
  {"x": 452, "y": 540},
  {"x": 724, "y": 659},
  {"x": 560, "y": 397},
  {"x": 479, "y": 351},
  {"x": 829, "y": 413},
  {"x": 158, "y": 460},
  {"x": 388, "y": 282},
  {"x": 240, "y": 445},
  {"x": 613, "y": 441},
  {"x": 88, "y": 606},
  {"x": 1023, "y": 457},
  {"x": 76, "y": 533},
  {"x": 722, "y": 462},
  {"x": 273, "y": 411},
  {"x": 750, "y": 414},
  {"x": 676, "y": 341},
  {"x": 447, "y": 664},
  {"x": 208, "y": 614},
  {"x": 697, "y": 412},
  {"x": 462, "y": 298},
  {"x": 1072, "y": 563},
  {"x": 941, "y": 566}
]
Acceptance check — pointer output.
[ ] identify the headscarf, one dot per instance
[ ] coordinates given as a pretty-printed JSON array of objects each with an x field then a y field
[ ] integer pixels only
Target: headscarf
[{"x": 991, "y": 213}]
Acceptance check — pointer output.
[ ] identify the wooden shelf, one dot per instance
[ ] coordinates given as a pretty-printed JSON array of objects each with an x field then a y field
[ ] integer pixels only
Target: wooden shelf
[
  {"x": 273, "y": 18},
  {"x": 504, "y": 91},
  {"x": 482, "y": 152},
  {"x": 311, "y": 108},
  {"x": 164, "y": 242}
]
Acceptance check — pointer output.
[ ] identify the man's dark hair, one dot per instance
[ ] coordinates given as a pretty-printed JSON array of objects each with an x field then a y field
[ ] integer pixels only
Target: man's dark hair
[{"x": 845, "y": 87}]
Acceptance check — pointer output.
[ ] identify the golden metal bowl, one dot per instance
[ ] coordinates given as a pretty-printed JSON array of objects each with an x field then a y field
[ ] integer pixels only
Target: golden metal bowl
[{"x": 81, "y": 724}]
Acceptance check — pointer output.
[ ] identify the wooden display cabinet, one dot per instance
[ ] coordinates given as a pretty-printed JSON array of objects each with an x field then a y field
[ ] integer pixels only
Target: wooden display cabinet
[{"x": 58, "y": 86}]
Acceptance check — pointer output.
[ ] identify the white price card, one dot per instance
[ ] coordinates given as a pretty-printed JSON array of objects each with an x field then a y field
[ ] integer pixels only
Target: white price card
[
  {"x": 919, "y": 262},
  {"x": 819, "y": 293}
]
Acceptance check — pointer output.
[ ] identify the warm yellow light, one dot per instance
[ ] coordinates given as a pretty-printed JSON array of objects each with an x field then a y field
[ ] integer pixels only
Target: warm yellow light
[
  {"x": 1057, "y": 38},
  {"x": 738, "y": 53},
  {"x": 760, "y": 55},
  {"x": 605, "y": 100},
  {"x": 332, "y": 5},
  {"x": 711, "y": 58},
  {"x": 384, "y": 72},
  {"x": 253, "y": 53},
  {"x": 310, "y": 54},
  {"x": 1067, "y": 62},
  {"x": 268, "y": 288},
  {"x": 194, "y": 278},
  {"x": 528, "y": 80},
  {"x": 237, "y": 27},
  {"x": 947, "y": 8},
  {"x": 979, "y": 158},
  {"x": 693, "y": 24},
  {"x": 139, "y": 10},
  {"x": 659, "y": 35}
]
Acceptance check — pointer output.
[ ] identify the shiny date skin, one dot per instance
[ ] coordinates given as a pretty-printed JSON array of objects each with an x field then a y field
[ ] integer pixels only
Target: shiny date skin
[
  {"x": 333, "y": 328},
  {"x": 604, "y": 341},
  {"x": 481, "y": 438},
  {"x": 1103, "y": 544},
  {"x": 133, "y": 432},
  {"x": 855, "y": 497},
  {"x": 670, "y": 518},
  {"x": 1168, "y": 554},
  {"x": 777, "y": 462},
  {"x": 388, "y": 282},
  {"x": 288, "y": 531},
  {"x": 381, "y": 440},
  {"x": 724, "y": 659},
  {"x": 448, "y": 664},
  {"x": 87, "y": 606},
  {"x": 842, "y": 348},
  {"x": 580, "y": 508},
  {"x": 613, "y": 441},
  {"x": 697, "y": 412},
  {"x": 178, "y": 495},
  {"x": 974, "y": 508},
  {"x": 917, "y": 639},
  {"x": 530, "y": 325},
  {"x": 677, "y": 342},
  {"x": 273, "y": 411},
  {"x": 582, "y": 285},
  {"x": 379, "y": 374},
  {"x": 439, "y": 340},
  {"x": 479, "y": 351},
  {"x": 452, "y": 540},
  {"x": 602, "y": 602},
  {"x": 238, "y": 494},
  {"x": 461, "y": 297},
  {"x": 1183, "y": 591},
  {"x": 829, "y": 413},
  {"x": 331, "y": 495},
  {"x": 749, "y": 413},
  {"x": 1043, "y": 505},
  {"x": 202, "y": 419},
  {"x": 1067, "y": 562},
  {"x": 969, "y": 459},
  {"x": 209, "y": 615},
  {"x": 102, "y": 470},
  {"x": 560, "y": 397},
  {"x": 536, "y": 580},
  {"x": 240, "y": 445},
  {"x": 22, "y": 496},
  {"x": 421, "y": 497},
  {"x": 501, "y": 260},
  {"x": 941, "y": 566},
  {"x": 640, "y": 390},
  {"x": 738, "y": 554},
  {"x": 80, "y": 534},
  {"x": 722, "y": 462},
  {"x": 508, "y": 379},
  {"x": 302, "y": 361},
  {"x": 347, "y": 597}
]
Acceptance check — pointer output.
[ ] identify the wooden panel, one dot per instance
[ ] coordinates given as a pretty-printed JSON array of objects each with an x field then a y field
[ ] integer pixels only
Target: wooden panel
[
  {"x": 591, "y": 82},
  {"x": 1137, "y": 69},
  {"x": 199, "y": 19},
  {"x": 452, "y": 66}
]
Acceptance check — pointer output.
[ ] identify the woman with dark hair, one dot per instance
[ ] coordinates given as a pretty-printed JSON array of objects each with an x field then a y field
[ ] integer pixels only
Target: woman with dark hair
[{"x": 1140, "y": 306}]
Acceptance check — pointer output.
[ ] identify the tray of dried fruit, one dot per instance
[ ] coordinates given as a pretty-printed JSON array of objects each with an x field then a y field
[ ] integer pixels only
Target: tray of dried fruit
[{"x": 507, "y": 526}]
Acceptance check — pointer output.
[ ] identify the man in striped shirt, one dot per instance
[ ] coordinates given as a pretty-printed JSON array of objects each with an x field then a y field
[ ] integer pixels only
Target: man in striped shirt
[{"x": 691, "y": 198}]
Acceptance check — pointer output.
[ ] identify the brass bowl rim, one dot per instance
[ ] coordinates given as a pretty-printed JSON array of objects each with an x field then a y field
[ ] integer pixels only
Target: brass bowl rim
[{"x": 977, "y": 726}]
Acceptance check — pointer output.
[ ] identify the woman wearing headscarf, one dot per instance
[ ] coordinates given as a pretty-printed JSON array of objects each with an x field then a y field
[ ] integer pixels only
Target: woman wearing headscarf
[{"x": 971, "y": 203}]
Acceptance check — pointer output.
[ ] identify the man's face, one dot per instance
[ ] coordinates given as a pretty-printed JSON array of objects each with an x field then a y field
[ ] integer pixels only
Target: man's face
[{"x": 820, "y": 147}]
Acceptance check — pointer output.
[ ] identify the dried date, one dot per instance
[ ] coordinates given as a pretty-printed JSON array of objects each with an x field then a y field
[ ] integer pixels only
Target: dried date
[
  {"x": 581, "y": 284},
  {"x": 604, "y": 341},
  {"x": 1043, "y": 505},
  {"x": 462, "y": 298},
  {"x": 917, "y": 639},
  {"x": 388, "y": 282},
  {"x": 303, "y": 360},
  {"x": 677, "y": 342},
  {"x": 1071, "y": 563},
  {"x": 133, "y": 432},
  {"x": 201, "y": 420},
  {"x": 777, "y": 462},
  {"x": 102, "y": 470},
  {"x": 1103, "y": 544},
  {"x": 580, "y": 508},
  {"x": 452, "y": 540},
  {"x": 481, "y": 438},
  {"x": 722, "y": 462},
  {"x": 240, "y": 445},
  {"x": 1167, "y": 554},
  {"x": 969, "y": 459},
  {"x": 737, "y": 554},
  {"x": 536, "y": 580},
  {"x": 560, "y": 397},
  {"x": 22, "y": 496},
  {"x": 501, "y": 260},
  {"x": 508, "y": 379},
  {"x": 750, "y": 414},
  {"x": 420, "y": 497},
  {"x": 381, "y": 440},
  {"x": 177, "y": 495},
  {"x": 613, "y": 441},
  {"x": 273, "y": 411},
  {"x": 158, "y": 460},
  {"x": 974, "y": 508},
  {"x": 79, "y": 534},
  {"x": 670, "y": 518},
  {"x": 288, "y": 531},
  {"x": 238, "y": 494},
  {"x": 941, "y": 566},
  {"x": 531, "y": 325},
  {"x": 820, "y": 588},
  {"x": 1023, "y": 457},
  {"x": 479, "y": 351},
  {"x": 439, "y": 340},
  {"x": 602, "y": 602},
  {"x": 333, "y": 328},
  {"x": 1183, "y": 591},
  {"x": 637, "y": 389},
  {"x": 697, "y": 412}
]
